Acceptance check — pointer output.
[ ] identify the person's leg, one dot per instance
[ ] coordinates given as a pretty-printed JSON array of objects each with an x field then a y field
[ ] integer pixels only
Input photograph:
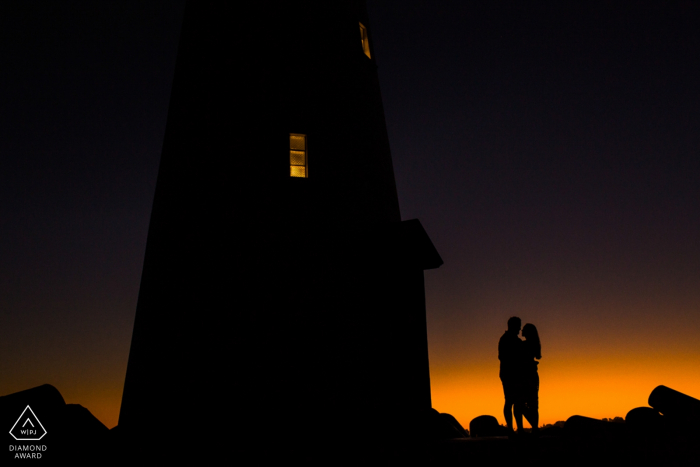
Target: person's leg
[
  {"x": 527, "y": 413},
  {"x": 534, "y": 419},
  {"x": 534, "y": 406},
  {"x": 518, "y": 398},
  {"x": 518, "y": 414},
  {"x": 508, "y": 414},
  {"x": 508, "y": 407},
  {"x": 529, "y": 392}
]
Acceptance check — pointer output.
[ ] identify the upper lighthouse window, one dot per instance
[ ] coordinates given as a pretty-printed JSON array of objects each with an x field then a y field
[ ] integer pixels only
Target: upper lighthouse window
[
  {"x": 298, "y": 162},
  {"x": 365, "y": 40}
]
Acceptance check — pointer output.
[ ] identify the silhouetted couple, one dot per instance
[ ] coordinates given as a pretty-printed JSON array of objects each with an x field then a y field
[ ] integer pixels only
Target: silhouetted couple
[{"x": 521, "y": 383}]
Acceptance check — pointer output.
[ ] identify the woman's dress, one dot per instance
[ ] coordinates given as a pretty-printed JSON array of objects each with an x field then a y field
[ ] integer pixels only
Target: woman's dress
[{"x": 531, "y": 380}]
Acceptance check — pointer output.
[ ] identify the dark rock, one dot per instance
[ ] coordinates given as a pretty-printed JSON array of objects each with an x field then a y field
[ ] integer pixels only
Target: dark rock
[
  {"x": 644, "y": 421},
  {"x": 454, "y": 423},
  {"x": 578, "y": 425},
  {"x": 442, "y": 426},
  {"x": 44, "y": 398},
  {"x": 679, "y": 410},
  {"x": 485, "y": 425}
]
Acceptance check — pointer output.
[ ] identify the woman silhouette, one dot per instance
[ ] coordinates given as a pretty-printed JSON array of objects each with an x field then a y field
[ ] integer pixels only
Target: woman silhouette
[{"x": 532, "y": 351}]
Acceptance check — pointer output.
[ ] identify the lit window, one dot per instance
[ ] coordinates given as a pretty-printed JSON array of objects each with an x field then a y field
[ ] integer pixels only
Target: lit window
[
  {"x": 298, "y": 162},
  {"x": 365, "y": 40}
]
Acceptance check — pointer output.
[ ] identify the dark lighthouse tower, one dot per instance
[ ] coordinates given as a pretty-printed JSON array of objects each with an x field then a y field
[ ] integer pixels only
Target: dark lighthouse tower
[{"x": 281, "y": 294}]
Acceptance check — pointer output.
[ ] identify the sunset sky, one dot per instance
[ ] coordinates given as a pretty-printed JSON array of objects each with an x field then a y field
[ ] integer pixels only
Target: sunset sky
[{"x": 552, "y": 154}]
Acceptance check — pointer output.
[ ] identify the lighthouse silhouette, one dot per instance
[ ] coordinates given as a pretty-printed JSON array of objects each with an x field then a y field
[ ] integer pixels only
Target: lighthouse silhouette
[{"x": 281, "y": 295}]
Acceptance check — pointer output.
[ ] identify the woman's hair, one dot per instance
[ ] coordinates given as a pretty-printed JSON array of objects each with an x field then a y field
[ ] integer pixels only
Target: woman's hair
[{"x": 530, "y": 333}]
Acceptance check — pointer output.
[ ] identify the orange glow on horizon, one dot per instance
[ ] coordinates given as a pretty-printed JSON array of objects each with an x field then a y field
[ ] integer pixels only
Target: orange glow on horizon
[
  {"x": 593, "y": 388},
  {"x": 574, "y": 383}
]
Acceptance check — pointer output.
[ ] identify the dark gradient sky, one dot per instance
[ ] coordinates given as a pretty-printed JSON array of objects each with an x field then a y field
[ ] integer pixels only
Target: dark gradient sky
[
  {"x": 85, "y": 90},
  {"x": 552, "y": 154}
]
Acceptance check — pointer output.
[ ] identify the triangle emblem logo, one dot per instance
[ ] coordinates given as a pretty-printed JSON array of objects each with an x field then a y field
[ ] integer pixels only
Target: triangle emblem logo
[{"x": 27, "y": 427}]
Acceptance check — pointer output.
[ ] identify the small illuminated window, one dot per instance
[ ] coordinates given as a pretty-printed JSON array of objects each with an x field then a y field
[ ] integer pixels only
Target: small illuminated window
[
  {"x": 298, "y": 160},
  {"x": 365, "y": 40}
]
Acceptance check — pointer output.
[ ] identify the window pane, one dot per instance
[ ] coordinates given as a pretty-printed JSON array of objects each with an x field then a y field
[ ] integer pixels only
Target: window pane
[
  {"x": 297, "y": 142},
  {"x": 364, "y": 39},
  {"x": 297, "y": 171},
  {"x": 297, "y": 157}
]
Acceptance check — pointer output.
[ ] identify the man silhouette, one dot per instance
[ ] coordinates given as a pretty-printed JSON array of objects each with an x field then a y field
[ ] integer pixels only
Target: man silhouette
[{"x": 509, "y": 353}]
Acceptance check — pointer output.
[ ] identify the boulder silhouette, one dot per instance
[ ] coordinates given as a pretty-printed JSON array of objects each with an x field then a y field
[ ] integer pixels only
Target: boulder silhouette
[
  {"x": 644, "y": 421},
  {"x": 485, "y": 425},
  {"x": 680, "y": 410},
  {"x": 44, "y": 398},
  {"x": 449, "y": 419},
  {"x": 578, "y": 425},
  {"x": 442, "y": 426}
]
